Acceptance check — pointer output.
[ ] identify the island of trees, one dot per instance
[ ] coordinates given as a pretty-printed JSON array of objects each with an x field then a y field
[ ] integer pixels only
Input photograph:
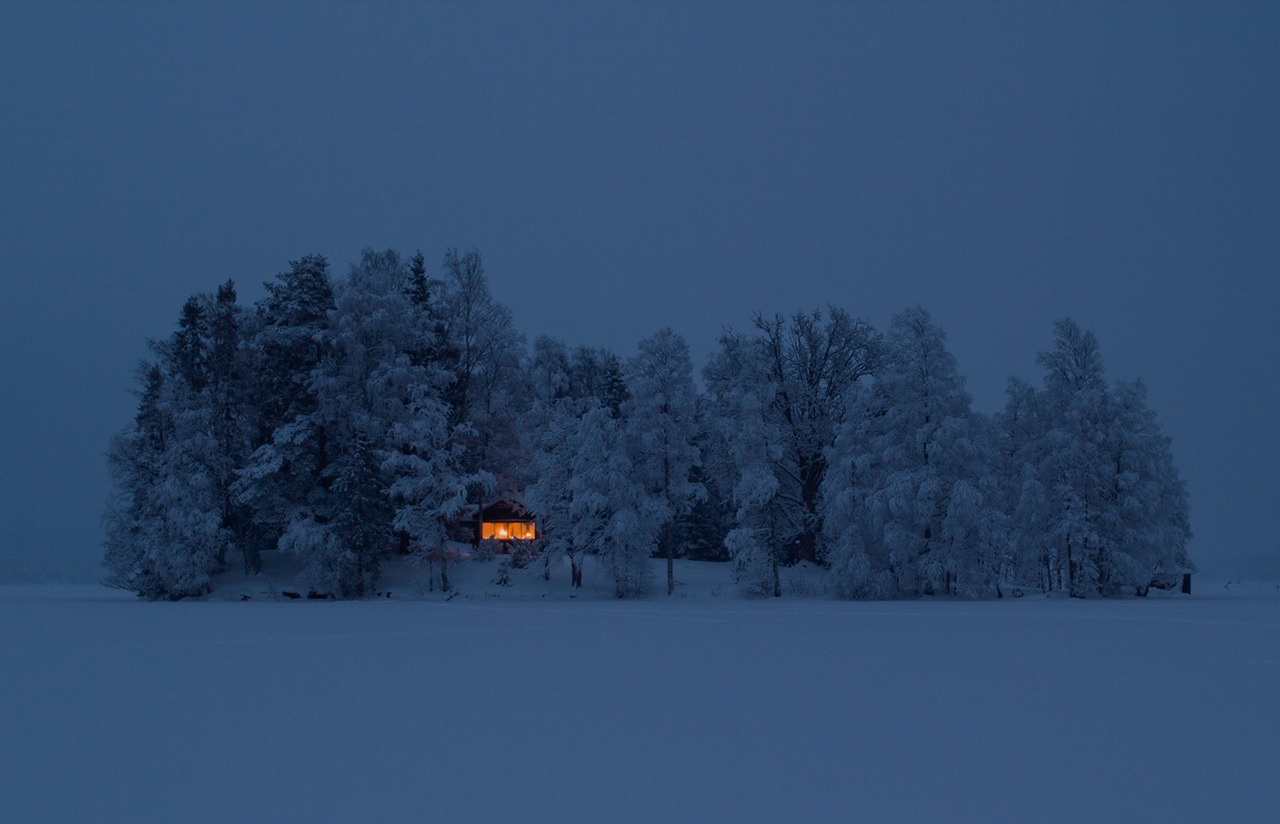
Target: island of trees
[{"x": 346, "y": 419}]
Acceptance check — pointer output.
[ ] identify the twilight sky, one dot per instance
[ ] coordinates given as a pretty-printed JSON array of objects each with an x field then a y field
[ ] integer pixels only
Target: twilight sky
[{"x": 627, "y": 167}]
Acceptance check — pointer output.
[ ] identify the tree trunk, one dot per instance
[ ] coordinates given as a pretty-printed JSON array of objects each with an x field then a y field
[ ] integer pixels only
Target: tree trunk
[
  {"x": 671, "y": 572},
  {"x": 252, "y": 559},
  {"x": 247, "y": 539},
  {"x": 777, "y": 582},
  {"x": 1071, "y": 571},
  {"x": 546, "y": 565},
  {"x": 575, "y": 573},
  {"x": 444, "y": 573}
]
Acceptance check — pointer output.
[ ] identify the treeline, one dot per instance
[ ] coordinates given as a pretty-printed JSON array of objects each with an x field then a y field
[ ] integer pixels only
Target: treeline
[{"x": 345, "y": 419}]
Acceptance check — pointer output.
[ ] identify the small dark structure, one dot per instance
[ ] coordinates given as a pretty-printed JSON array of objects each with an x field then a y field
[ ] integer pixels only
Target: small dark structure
[{"x": 505, "y": 521}]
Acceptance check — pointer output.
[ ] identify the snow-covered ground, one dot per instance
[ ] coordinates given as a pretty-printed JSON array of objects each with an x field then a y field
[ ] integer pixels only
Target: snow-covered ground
[{"x": 523, "y": 704}]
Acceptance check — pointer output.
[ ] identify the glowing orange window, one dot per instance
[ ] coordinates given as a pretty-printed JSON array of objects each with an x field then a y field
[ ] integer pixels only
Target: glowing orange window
[{"x": 508, "y": 531}]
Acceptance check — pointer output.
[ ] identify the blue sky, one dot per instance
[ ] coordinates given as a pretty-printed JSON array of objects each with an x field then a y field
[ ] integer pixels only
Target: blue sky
[{"x": 624, "y": 167}]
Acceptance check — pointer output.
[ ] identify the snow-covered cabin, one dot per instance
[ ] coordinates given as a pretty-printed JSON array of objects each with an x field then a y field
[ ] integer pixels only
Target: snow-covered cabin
[{"x": 505, "y": 520}]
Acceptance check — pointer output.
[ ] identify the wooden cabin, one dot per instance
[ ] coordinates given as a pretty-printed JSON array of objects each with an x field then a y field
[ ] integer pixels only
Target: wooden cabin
[{"x": 505, "y": 521}]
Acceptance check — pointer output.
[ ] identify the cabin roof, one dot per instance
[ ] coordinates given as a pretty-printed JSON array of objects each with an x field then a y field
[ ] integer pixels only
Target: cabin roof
[{"x": 506, "y": 510}]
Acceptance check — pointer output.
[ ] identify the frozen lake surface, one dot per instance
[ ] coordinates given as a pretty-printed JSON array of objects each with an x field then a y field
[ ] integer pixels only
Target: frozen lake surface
[{"x": 706, "y": 707}]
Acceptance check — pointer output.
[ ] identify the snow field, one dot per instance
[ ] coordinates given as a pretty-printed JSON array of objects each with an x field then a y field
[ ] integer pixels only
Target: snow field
[{"x": 659, "y": 710}]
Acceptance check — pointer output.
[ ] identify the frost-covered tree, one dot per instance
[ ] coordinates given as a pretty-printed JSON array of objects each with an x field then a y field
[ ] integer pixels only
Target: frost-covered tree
[
  {"x": 164, "y": 521},
  {"x": 814, "y": 366},
  {"x": 612, "y": 514},
  {"x": 1153, "y": 523},
  {"x": 347, "y": 471},
  {"x": 428, "y": 486},
  {"x": 565, "y": 386},
  {"x": 1099, "y": 506},
  {"x": 334, "y": 421},
  {"x": 549, "y": 369},
  {"x": 661, "y": 420},
  {"x": 552, "y": 429},
  {"x": 912, "y": 502},
  {"x": 1018, "y": 430},
  {"x": 804, "y": 369},
  {"x": 777, "y": 399},
  {"x": 229, "y": 414},
  {"x": 1073, "y": 458},
  {"x": 748, "y": 445},
  {"x": 483, "y": 353},
  {"x": 284, "y": 480},
  {"x": 171, "y": 519},
  {"x": 365, "y": 386},
  {"x": 164, "y": 532},
  {"x": 287, "y": 343},
  {"x": 378, "y": 411},
  {"x": 597, "y": 373}
]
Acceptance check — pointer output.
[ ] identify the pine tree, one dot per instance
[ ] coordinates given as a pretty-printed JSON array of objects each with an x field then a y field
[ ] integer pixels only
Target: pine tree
[
  {"x": 366, "y": 386},
  {"x": 284, "y": 478},
  {"x": 164, "y": 535}
]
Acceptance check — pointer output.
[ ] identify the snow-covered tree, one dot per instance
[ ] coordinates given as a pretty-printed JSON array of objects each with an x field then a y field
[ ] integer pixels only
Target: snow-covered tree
[
  {"x": 614, "y": 516},
  {"x": 283, "y": 477},
  {"x": 565, "y": 387},
  {"x": 372, "y": 423},
  {"x": 380, "y": 413},
  {"x": 912, "y": 501},
  {"x": 1075, "y": 466},
  {"x": 661, "y": 419},
  {"x": 814, "y": 366},
  {"x": 552, "y": 429},
  {"x": 164, "y": 529},
  {"x": 333, "y": 421},
  {"x": 224, "y": 393},
  {"x": 172, "y": 519},
  {"x": 1099, "y": 507},
  {"x": 483, "y": 353},
  {"x": 287, "y": 343},
  {"x": 428, "y": 486},
  {"x": 1152, "y": 496},
  {"x": 597, "y": 373},
  {"x": 778, "y": 399},
  {"x": 549, "y": 369},
  {"x": 748, "y": 443}
]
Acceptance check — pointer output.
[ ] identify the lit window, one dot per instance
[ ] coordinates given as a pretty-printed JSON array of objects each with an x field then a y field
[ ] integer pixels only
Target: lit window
[{"x": 508, "y": 531}]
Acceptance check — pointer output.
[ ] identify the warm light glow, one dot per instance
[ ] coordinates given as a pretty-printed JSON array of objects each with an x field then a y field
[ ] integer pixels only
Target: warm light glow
[{"x": 508, "y": 531}]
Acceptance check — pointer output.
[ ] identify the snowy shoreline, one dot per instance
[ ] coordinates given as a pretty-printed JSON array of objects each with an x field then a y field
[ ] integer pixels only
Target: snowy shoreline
[{"x": 705, "y": 582}]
